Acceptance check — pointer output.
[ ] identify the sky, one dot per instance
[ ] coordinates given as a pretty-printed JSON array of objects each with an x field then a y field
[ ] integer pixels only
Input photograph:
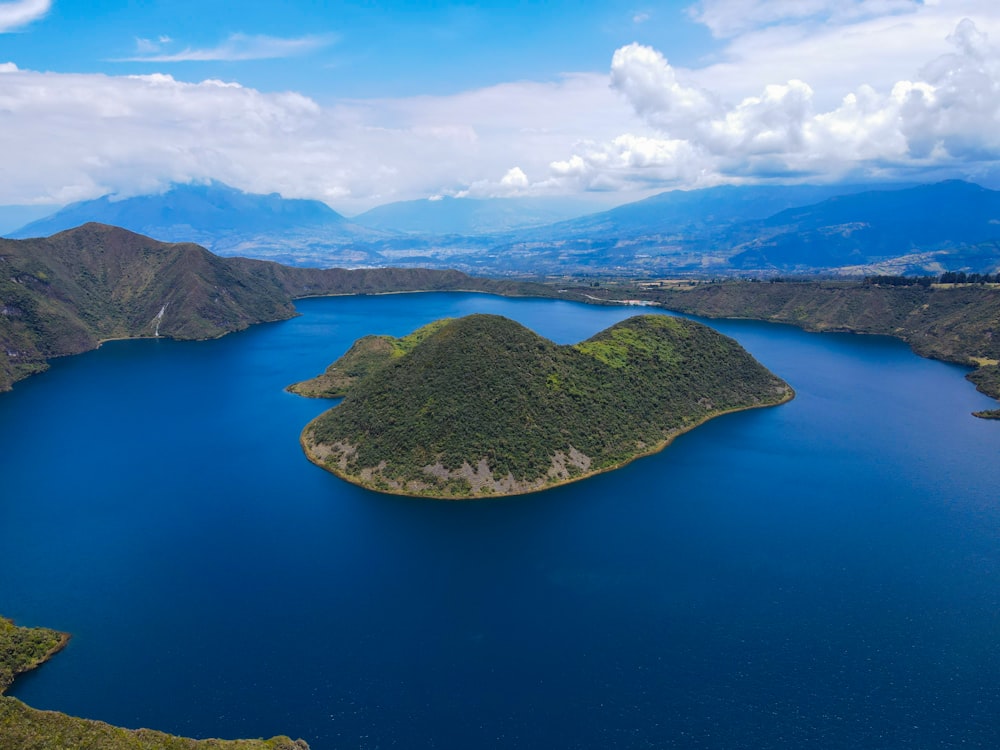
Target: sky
[{"x": 364, "y": 103}]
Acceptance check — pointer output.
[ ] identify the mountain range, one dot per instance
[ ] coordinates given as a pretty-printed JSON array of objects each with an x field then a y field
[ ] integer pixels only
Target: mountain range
[
  {"x": 727, "y": 230},
  {"x": 470, "y": 216}
]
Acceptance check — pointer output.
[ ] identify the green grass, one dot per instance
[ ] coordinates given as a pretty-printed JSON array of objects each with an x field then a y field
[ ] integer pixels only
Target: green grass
[
  {"x": 951, "y": 323},
  {"x": 26, "y": 728}
]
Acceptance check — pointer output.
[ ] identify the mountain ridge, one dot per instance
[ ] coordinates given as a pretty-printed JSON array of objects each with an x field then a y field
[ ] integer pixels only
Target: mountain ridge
[{"x": 66, "y": 293}]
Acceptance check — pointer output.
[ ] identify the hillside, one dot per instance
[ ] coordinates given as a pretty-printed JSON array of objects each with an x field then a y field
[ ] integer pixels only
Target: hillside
[
  {"x": 952, "y": 323},
  {"x": 481, "y": 406},
  {"x": 25, "y": 728},
  {"x": 66, "y": 293},
  {"x": 936, "y": 222}
]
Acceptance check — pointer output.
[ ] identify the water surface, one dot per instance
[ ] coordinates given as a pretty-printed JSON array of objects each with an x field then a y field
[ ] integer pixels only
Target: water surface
[{"x": 823, "y": 574}]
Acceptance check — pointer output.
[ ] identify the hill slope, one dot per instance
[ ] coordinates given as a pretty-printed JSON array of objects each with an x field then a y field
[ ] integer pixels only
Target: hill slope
[
  {"x": 66, "y": 293},
  {"x": 959, "y": 323},
  {"x": 940, "y": 221},
  {"x": 482, "y": 406}
]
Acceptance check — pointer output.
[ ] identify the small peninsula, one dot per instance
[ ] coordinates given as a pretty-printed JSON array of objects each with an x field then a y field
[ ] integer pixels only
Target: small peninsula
[
  {"x": 23, "y": 649},
  {"x": 481, "y": 406}
]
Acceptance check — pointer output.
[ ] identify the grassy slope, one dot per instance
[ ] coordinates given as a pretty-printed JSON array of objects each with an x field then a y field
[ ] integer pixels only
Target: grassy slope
[
  {"x": 365, "y": 355},
  {"x": 484, "y": 387},
  {"x": 955, "y": 324},
  {"x": 25, "y": 728},
  {"x": 64, "y": 294}
]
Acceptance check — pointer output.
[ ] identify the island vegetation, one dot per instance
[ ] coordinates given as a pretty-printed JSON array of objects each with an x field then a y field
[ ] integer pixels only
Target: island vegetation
[
  {"x": 953, "y": 320},
  {"x": 67, "y": 293},
  {"x": 26, "y": 728},
  {"x": 481, "y": 406}
]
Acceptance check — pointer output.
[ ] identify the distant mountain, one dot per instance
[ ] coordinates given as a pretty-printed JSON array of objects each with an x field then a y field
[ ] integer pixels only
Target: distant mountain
[
  {"x": 470, "y": 216},
  {"x": 728, "y": 230},
  {"x": 223, "y": 219},
  {"x": 66, "y": 293},
  {"x": 183, "y": 210},
  {"x": 930, "y": 226},
  {"x": 690, "y": 212},
  {"x": 736, "y": 230}
]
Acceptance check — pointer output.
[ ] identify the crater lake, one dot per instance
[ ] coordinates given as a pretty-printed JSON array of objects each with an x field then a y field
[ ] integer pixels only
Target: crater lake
[{"x": 822, "y": 574}]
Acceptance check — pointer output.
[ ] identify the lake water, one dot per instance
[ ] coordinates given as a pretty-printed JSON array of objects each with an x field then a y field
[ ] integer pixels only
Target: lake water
[{"x": 824, "y": 574}]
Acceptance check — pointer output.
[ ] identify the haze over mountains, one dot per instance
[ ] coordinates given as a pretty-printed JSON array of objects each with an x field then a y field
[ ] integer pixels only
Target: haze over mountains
[{"x": 728, "y": 230}]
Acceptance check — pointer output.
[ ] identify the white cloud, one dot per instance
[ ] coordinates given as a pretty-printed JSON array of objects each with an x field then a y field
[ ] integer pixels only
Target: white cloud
[
  {"x": 847, "y": 50},
  {"x": 651, "y": 86},
  {"x": 236, "y": 47},
  {"x": 17, "y": 14},
  {"x": 943, "y": 122},
  {"x": 515, "y": 179},
  {"x": 146, "y": 46},
  {"x": 72, "y": 137},
  {"x": 782, "y": 102},
  {"x": 728, "y": 18}
]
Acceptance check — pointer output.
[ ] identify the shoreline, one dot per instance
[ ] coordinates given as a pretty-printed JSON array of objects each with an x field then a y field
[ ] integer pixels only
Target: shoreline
[
  {"x": 657, "y": 448},
  {"x": 24, "y": 726},
  {"x": 581, "y": 298}
]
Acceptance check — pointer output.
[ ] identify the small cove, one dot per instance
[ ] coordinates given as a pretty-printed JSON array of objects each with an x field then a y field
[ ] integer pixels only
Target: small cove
[{"x": 825, "y": 573}]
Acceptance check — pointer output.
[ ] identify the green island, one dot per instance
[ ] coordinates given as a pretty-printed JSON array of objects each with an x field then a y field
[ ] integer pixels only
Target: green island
[
  {"x": 25, "y": 728},
  {"x": 67, "y": 293},
  {"x": 957, "y": 323},
  {"x": 481, "y": 406}
]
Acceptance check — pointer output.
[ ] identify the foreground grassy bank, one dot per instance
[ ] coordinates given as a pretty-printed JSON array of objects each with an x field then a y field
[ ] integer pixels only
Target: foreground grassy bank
[{"x": 26, "y": 728}]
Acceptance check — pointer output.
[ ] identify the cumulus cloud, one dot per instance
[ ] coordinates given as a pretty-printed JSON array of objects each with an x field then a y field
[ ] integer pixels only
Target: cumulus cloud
[
  {"x": 73, "y": 137},
  {"x": 769, "y": 110},
  {"x": 16, "y": 14},
  {"x": 235, "y": 48},
  {"x": 944, "y": 119}
]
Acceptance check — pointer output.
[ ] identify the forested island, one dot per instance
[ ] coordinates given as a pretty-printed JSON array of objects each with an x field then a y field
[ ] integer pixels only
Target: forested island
[
  {"x": 481, "y": 406},
  {"x": 66, "y": 293},
  {"x": 25, "y": 728},
  {"x": 946, "y": 318}
]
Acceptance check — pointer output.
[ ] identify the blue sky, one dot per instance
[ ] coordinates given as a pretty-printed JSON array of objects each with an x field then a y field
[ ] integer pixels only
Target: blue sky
[
  {"x": 362, "y": 103},
  {"x": 352, "y": 49}
]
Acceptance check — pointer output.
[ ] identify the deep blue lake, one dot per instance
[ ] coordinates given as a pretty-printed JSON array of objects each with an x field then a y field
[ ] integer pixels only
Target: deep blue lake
[{"x": 824, "y": 574}]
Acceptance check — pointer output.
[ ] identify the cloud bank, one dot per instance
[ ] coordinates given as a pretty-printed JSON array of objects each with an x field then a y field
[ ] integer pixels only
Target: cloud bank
[
  {"x": 805, "y": 91},
  {"x": 940, "y": 123}
]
